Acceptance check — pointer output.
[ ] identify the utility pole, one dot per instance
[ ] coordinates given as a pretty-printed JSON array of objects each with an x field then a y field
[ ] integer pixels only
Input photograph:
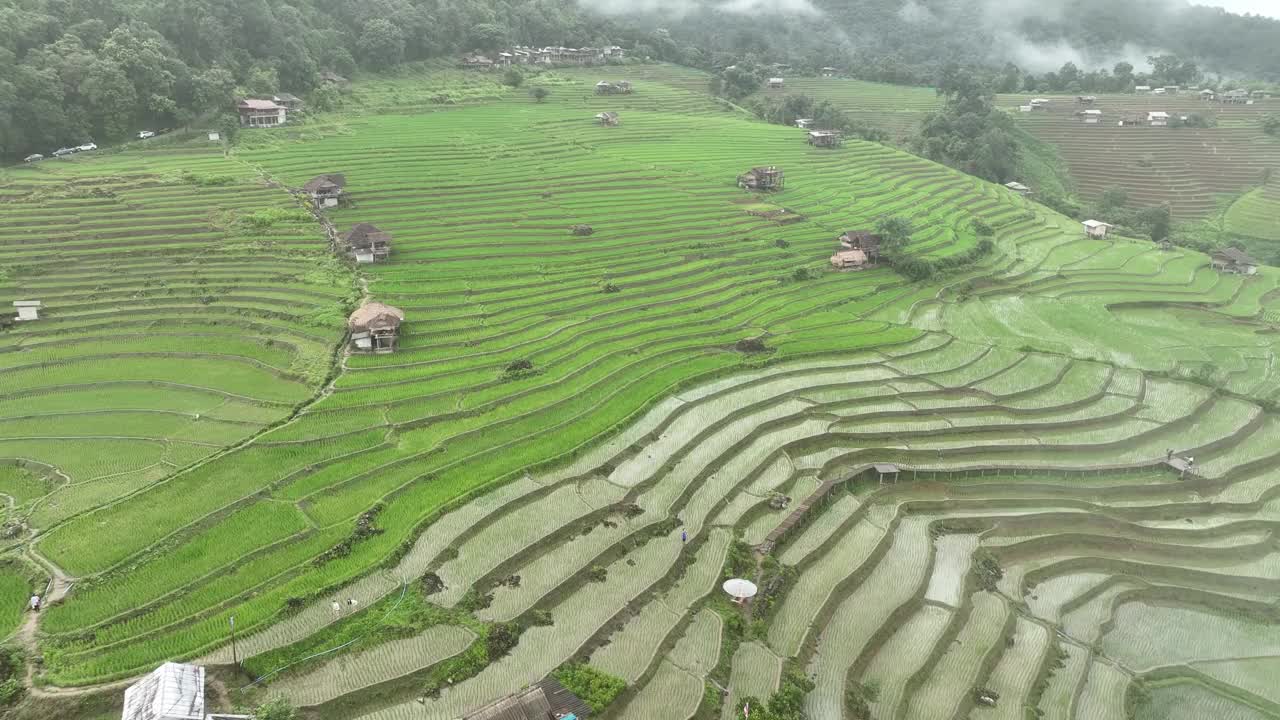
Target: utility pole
[{"x": 235, "y": 658}]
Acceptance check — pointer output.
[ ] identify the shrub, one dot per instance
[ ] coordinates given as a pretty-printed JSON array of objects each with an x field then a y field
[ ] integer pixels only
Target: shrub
[
  {"x": 598, "y": 573},
  {"x": 539, "y": 93},
  {"x": 782, "y": 243},
  {"x": 983, "y": 229},
  {"x": 519, "y": 366},
  {"x": 512, "y": 77},
  {"x": 592, "y": 686},
  {"x": 610, "y": 288},
  {"x": 431, "y": 584},
  {"x": 541, "y": 618},
  {"x": 275, "y": 709},
  {"x": 802, "y": 274},
  {"x": 501, "y": 638},
  {"x": 475, "y": 600},
  {"x": 750, "y": 345}
]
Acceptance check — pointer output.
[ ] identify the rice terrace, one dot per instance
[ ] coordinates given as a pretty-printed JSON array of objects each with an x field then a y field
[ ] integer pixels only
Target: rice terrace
[{"x": 1042, "y": 484}]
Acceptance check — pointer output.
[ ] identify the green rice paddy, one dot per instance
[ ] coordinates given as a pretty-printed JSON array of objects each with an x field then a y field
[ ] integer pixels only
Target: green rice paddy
[{"x": 188, "y": 447}]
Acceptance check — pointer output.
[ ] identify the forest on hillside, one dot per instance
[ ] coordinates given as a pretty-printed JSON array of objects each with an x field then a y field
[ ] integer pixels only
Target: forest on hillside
[{"x": 78, "y": 70}]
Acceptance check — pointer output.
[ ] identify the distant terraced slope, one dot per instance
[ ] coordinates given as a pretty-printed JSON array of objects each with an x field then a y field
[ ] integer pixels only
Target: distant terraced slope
[{"x": 1190, "y": 169}]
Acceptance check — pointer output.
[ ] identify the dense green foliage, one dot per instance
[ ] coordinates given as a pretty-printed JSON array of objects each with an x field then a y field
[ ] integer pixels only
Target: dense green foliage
[
  {"x": 594, "y": 687},
  {"x": 969, "y": 132}
]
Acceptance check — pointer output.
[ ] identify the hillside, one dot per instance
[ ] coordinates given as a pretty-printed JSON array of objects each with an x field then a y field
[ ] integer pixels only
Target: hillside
[
  {"x": 1190, "y": 169},
  {"x": 572, "y": 447}
]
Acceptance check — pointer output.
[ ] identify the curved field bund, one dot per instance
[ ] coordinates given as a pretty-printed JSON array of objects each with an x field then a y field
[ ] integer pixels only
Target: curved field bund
[
  {"x": 1254, "y": 216},
  {"x": 169, "y": 329},
  {"x": 1032, "y": 398}
]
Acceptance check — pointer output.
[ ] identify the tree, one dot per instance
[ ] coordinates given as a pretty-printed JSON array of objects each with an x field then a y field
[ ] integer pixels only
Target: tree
[
  {"x": 275, "y": 709},
  {"x": 1271, "y": 124},
  {"x": 512, "y": 77},
  {"x": 894, "y": 231},
  {"x": 539, "y": 93},
  {"x": 381, "y": 44},
  {"x": 487, "y": 36}
]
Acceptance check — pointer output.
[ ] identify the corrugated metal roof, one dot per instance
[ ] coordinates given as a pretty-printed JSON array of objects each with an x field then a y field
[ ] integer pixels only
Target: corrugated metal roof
[{"x": 171, "y": 692}]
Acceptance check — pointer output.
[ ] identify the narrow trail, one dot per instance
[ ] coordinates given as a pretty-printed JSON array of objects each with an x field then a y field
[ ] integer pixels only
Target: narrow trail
[{"x": 61, "y": 582}]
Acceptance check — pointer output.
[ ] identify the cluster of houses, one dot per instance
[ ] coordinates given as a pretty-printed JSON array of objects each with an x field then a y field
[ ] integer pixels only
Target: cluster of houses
[
  {"x": 621, "y": 87},
  {"x": 858, "y": 249},
  {"x": 1238, "y": 96},
  {"x": 522, "y": 55}
]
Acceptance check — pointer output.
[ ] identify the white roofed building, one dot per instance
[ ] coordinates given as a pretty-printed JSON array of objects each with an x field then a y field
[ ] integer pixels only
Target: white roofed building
[
  {"x": 1158, "y": 119},
  {"x": 1096, "y": 228},
  {"x": 171, "y": 692}
]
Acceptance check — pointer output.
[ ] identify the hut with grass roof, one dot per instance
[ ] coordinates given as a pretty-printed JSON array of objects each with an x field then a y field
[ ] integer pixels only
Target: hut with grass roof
[
  {"x": 365, "y": 243},
  {"x": 761, "y": 178},
  {"x": 608, "y": 119},
  {"x": 375, "y": 328},
  {"x": 325, "y": 190}
]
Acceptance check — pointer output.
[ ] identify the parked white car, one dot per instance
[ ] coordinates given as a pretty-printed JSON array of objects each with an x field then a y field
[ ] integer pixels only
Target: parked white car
[
  {"x": 63, "y": 152},
  {"x": 87, "y": 147},
  {"x": 144, "y": 134},
  {"x": 33, "y": 158}
]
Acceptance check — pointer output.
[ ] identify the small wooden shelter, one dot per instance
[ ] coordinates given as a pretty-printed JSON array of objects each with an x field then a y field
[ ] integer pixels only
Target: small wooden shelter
[
  {"x": 622, "y": 87},
  {"x": 761, "y": 178},
  {"x": 1158, "y": 118},
  {"x": 287, "y": 100},
  {"x": 1208, "y": 94},
  {"x": 1086, "y": 99},
  {"x": 804, "y": 123},
  {"x": 325, "y": 190},
  {"x": 847, "y": 259},
  {"x": 828, "y": 72},
  {"x": 608, "y": 119},
  {"x": 776, "y": 82},
  {"x": 1096, "y": 228},
  {"x": 1231, "y": 260},
  {"x": 27, "y": 309},
  {"x": 1091, "y": 116},
  {"x": 1129, "y": 121},
  {"x": 375, "y": 328},
  {"x": 886, "y": 471},
  {"x": 365, "y": 243},
  {"x": 825, "y": 138},
  {"x": 172, "y": 691},
  {"x": 546, "y": 700},
  {"x": 1018, "y": 188},
  {"x": 863, "y": 240}
]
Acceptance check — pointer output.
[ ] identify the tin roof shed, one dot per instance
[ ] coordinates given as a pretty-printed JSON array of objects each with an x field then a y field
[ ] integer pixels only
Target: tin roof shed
[{"x": 171, "y": 692}]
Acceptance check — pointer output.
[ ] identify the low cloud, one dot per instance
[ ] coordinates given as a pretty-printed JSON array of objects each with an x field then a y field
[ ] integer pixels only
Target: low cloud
[
  {"x": 680, "y": 8},
  {"x": 916, "y": 14}
]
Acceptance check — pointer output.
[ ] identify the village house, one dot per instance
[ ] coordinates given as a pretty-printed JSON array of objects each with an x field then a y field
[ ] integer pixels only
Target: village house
[
  {"x": 761, "y": 178},
  {"x": 1130, "y": 121},
  {"x": 1018, "y": 188},
  {"x": 1090, "y": 117},
  {"x": 172, "y": 691},
  {"x": 1208, "y": 94},
  {"x": 1140, "y": 89},
  {"x": 863, "y": 240},
  {"x": 1235, "y": 97},
  {"x": 1231, "y": 260},
  {"x": 1158, "y": 91},
  {"x": 825, "y": 138},
  {"x": 365, "y": 243},
  {"x": 1096, "y": 228},
  {"x": 854, "y": 259},
  {"x": 1040, "y": 104},
  {"x": 1086, "y": 99},
  {"x": 261, "y": 113},
  {"x": 1158, "y": 118},
  {"x": 325, "y": 190},
  {"x": 828, "y": 72},
  {"x": 1171, "y": 89},
  {"x": 1259, "y": 94},
  {"x": 375, "y": 328},
  {"x": 288, "y": 100},
  {"x": 608, "y": 119},
  {"x": 804, "y": 123},
  {"x": 776, "y": 82},
  {"x": 546, "y": 700},
  {"x": 506, "y": 59},
  {"x": 27, "y": 310},
  {"x": 475, "y": 61}
]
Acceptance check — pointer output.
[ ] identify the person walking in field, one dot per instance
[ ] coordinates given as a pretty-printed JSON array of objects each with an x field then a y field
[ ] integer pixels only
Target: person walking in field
[
  {"x": 337, "y": 609},
  {"x": 35, "y": 603},
  {"x": 684, "y": 536}
]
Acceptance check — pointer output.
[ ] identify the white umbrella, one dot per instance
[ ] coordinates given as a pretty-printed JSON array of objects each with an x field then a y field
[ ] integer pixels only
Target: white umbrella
[{"x": 740, "y": 589}]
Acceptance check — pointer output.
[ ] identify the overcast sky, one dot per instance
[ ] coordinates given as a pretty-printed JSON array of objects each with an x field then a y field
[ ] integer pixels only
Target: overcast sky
[{"x": 1257, "y": 7}]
